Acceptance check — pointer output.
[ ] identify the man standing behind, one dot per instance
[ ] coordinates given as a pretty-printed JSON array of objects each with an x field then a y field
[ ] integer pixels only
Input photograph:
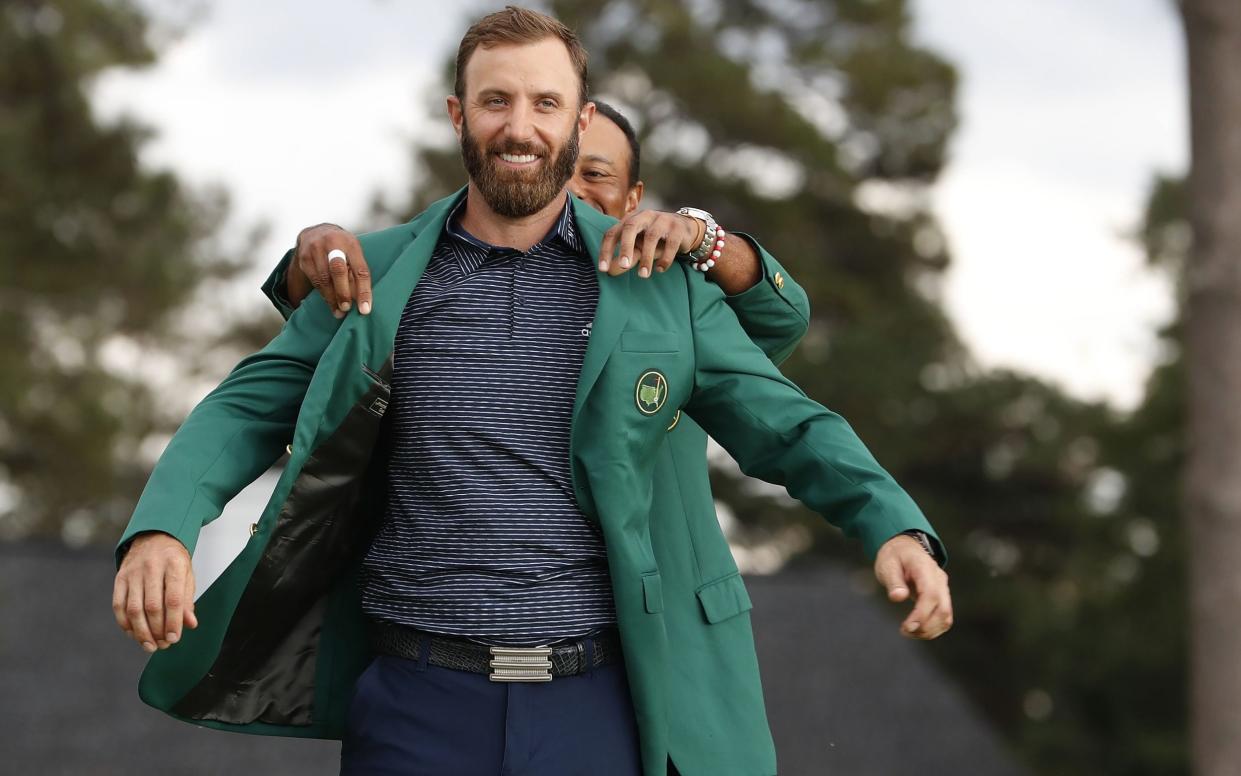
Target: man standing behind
[{"x": 530, "y": 524}]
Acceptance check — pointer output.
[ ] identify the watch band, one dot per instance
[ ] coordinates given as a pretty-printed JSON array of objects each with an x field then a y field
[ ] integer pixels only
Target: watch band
[
  {"x": 922, "y": 538},
  {"x": 708, "y": 235}
]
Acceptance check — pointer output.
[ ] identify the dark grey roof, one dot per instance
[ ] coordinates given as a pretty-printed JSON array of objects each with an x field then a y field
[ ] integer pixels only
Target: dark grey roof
[{"x": 846, "y": 694}]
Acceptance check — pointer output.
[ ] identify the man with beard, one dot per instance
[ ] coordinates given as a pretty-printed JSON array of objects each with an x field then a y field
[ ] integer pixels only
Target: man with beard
[
  {"x": 470, "y": 474},
  {"x": 689, "y": 547}
]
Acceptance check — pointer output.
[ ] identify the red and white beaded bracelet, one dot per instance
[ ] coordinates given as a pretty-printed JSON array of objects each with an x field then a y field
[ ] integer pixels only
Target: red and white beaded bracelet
[{"x": 708, "y": 261}]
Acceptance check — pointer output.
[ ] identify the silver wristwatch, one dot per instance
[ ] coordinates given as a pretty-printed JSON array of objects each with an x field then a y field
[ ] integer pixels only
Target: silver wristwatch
[
  {"x": 708, "y": 235},
  {"x": 922, "y": 538}
]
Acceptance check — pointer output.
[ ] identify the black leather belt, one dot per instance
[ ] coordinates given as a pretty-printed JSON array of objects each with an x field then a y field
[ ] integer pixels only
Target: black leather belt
[{"x": 501, "y": 664}]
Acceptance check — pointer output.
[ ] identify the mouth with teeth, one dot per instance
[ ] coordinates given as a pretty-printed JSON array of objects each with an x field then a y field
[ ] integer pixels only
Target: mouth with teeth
[
  {"x": 517, "y": 178},
  {"x": 518, "y": 160}
]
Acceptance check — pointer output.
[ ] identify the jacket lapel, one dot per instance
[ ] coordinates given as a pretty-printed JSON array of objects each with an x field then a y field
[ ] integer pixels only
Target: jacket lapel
[
  {"x": 612, "y": 312},
  {"x": 392, "y": 292}
]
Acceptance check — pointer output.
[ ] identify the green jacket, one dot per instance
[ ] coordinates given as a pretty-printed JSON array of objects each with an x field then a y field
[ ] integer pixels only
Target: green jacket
[
  {"x": 695, "y": 560},
  {"x": 281, "y": 636}
]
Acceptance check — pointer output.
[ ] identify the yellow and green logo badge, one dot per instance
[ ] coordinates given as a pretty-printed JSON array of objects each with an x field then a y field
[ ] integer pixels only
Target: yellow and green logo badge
[{"x": 651, "y": 392}]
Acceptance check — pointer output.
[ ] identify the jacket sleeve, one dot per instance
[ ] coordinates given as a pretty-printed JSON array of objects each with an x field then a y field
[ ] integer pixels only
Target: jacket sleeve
[
  {"x": 276, "y": 287},
  {"x": 236, "y": 433},
  {"x": 775, "y": 312},
  {"x": 778, "y": 434}
]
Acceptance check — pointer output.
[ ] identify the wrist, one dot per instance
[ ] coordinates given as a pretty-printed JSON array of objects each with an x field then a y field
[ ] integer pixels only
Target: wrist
[
  {"x": 922, "y": 538},
  {"x": 711, "y": 244},
  {"x": 297, "y": 285},
  {"x": 740, "y": 268},
  {"x": 698, "y": 231}
]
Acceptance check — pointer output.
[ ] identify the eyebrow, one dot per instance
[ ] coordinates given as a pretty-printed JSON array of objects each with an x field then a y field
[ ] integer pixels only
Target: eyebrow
[
  {"x": 598, "y": 158},
  {"x": 496, "y": 91}
]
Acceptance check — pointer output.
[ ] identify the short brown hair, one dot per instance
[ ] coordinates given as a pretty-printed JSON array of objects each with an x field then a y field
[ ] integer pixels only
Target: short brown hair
[{"x": 518, "y": 25}]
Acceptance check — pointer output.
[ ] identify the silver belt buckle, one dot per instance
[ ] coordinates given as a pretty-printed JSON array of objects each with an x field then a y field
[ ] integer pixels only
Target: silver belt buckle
[{"x": 520, "y": 664}]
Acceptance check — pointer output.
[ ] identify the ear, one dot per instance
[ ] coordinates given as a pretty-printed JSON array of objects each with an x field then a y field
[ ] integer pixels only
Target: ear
[
  {"x": 584, "y": 118},
  {"x": 456, "y": 114},
  {"x": 634, "y": 197}
]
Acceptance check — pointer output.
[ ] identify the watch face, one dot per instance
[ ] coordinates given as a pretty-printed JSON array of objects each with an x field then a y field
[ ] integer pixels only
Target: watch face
[{"x": 694, "y": 212}]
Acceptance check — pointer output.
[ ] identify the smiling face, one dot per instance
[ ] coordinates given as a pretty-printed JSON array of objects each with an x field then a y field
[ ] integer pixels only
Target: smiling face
[
  {"x": 518, "y": 123},
  {"x": 601, "y": 178}
]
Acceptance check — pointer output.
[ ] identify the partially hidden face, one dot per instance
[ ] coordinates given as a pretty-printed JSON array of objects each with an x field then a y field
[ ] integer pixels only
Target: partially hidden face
[
  {"x": 601, "y": 178},
  {"x": 519, "y": 124}
]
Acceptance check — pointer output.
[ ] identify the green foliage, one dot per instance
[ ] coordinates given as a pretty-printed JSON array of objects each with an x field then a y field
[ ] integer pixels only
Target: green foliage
[
  {"x": 1138, "y": 677},
  {"x": 98, "y": 255}
]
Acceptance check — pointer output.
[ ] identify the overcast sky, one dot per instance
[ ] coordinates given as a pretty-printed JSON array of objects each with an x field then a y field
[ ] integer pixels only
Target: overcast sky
[{"x": 303, "y": 109}]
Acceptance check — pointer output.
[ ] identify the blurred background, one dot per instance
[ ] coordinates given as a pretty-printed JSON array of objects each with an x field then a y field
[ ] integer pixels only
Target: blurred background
[{"x": 985, "y": 201}]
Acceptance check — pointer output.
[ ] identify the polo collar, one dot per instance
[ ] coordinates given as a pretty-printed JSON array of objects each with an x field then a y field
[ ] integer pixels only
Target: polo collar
[{"x": 471, "y": 252}]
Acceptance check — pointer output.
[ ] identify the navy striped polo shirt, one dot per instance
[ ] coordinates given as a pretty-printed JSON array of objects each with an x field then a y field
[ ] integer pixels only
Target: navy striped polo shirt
[{"x": 483, "y": 537}]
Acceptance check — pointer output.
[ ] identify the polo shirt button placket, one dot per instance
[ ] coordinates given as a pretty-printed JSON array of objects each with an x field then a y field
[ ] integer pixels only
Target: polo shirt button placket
[{"x": 519, "y": 299}]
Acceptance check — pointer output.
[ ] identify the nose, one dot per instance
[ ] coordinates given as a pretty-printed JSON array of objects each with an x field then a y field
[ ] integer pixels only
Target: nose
[{"x": 520, "y": 123}]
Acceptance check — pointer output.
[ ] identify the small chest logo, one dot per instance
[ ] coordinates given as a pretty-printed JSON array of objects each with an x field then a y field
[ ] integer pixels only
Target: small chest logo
[{"x": 651, "y": 392}]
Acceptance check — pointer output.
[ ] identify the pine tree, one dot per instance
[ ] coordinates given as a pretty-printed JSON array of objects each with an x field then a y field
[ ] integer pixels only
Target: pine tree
[{"x": 99, "y": 253}]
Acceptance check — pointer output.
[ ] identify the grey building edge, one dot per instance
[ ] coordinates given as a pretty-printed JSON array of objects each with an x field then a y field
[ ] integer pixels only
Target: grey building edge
[{"x": 846, "y": 694}]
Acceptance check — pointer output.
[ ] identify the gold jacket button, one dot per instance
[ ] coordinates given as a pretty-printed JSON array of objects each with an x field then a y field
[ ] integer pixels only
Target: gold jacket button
[
  {"x": 778, "y": 280},
  {"x": 254, "y": 528},
  {"x": 288, "y": 449}
]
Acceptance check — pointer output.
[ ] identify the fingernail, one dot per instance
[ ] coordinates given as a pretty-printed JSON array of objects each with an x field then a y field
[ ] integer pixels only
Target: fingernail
[
  {"x": 338, "y": 314},
  {"x": 644, "y": 272},
  {"x": 625, "y": 262},
  {"x": 913, "y": 626},
  {"x": 365, "y": 308},
  {"x": 148, "y": 646},
  {"x": 344, "y": 306},
  {"x": 173, "y": 638},
  {"x": 603, "y": 266}
]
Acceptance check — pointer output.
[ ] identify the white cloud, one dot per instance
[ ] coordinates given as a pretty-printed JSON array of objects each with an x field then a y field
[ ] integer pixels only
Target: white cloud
[
  {"x": 1068, "y": 108},
  {"x": 302, "y": 110}
]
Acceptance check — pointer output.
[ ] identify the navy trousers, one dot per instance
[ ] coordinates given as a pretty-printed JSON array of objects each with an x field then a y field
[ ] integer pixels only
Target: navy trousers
[{"x": 414, "y": 719}]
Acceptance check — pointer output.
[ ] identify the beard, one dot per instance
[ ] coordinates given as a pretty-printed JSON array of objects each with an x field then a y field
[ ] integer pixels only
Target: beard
[{"x": 517, "y": 193}]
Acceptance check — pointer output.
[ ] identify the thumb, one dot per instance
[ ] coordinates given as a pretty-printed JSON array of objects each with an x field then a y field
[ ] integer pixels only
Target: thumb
[{"x": 891, "y": 575}]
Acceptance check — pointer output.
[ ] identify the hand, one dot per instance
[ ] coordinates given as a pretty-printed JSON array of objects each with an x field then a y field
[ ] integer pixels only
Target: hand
[
  {"x": 658, "y": 236},
  {"x": 154, "y": 591},
  {"x": 338, "y": 281},
  {"x": 902, "y": 563}
]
